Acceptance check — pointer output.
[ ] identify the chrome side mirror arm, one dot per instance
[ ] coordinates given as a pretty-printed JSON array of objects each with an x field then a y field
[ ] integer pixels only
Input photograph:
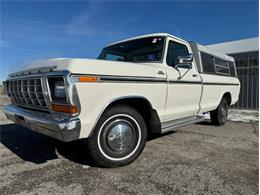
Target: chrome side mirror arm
[{"x": 176, "y": 68}]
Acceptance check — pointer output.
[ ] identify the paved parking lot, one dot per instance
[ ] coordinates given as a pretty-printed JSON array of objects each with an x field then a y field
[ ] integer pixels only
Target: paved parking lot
[{"x": 195, "y": 159}]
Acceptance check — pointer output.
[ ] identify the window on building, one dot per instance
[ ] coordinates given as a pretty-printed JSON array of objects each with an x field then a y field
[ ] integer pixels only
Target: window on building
[{"x": 174, "y": 51}]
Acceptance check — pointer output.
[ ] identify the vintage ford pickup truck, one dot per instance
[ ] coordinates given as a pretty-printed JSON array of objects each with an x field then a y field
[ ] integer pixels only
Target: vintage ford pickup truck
[{"x": 147, "y": 84}]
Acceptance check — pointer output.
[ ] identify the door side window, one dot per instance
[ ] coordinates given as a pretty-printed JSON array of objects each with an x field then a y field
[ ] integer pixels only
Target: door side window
[{"x": 174, "y": 51}]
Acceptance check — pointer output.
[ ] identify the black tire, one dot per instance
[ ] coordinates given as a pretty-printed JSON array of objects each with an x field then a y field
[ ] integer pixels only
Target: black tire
[
  {"x": 119, "y": 137},
  {"x": 219, "y": 116}
]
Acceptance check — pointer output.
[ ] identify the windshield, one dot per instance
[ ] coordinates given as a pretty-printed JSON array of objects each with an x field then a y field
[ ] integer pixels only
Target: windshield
[{"x": 149, "y": 49}]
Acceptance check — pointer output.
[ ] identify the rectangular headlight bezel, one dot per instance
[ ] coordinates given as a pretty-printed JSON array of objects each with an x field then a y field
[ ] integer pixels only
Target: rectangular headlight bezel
[{"x": 51, "y": 85}]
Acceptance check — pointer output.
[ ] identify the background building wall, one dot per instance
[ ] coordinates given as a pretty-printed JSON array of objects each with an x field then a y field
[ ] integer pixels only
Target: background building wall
[
  {"x": 248, "y": 74},
  {"x": 246, "y": 55}
]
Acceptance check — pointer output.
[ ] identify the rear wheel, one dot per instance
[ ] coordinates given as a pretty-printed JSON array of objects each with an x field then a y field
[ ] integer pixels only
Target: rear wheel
[
  {"x": 119, "y": 137},
  {"x": 219, "y": 116}
]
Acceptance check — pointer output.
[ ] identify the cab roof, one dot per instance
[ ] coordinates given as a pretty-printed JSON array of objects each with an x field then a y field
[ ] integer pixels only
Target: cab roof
[
  {"x": 199, "y": 46},
  {"x": 147, "y": 35}
]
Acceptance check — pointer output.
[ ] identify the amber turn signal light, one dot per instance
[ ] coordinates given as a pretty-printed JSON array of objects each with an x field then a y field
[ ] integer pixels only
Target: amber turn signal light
[
  {"x": 70, "y": 109},
  {"x": 87, "y": 79}
]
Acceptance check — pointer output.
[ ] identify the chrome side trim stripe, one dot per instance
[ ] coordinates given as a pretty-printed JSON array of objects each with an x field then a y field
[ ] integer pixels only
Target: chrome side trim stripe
[
  {"x": 132, "y": 79},
  {"x": 186, "y": 82},
  {"x": 139, "y": 79},
  {"x": 221, "y": 84}
]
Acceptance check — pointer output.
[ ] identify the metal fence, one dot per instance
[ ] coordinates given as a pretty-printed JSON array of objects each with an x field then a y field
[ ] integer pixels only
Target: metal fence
[{"x": 248, "y": 74}]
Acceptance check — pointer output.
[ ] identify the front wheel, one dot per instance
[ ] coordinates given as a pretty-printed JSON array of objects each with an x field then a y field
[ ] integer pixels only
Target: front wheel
[
  {"x": 119, "y": 137},
  {"x": 219, "y": 116}
]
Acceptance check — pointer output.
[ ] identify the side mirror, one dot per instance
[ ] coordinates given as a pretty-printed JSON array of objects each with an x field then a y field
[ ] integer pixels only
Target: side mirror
[{"x": 185, "y": 61}]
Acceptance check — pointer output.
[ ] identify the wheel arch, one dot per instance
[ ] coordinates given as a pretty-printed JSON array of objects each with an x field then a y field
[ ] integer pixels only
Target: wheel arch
[
  {"x": 142, "y": 105},
  {"x": 228, "y": 96}
]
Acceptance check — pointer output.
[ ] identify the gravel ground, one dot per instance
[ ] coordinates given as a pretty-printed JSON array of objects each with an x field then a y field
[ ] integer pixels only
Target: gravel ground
[
  {"x": 243, "y": 115},
  {"x": 195, "y": 159},
  {"x": 4, "y": 100}
]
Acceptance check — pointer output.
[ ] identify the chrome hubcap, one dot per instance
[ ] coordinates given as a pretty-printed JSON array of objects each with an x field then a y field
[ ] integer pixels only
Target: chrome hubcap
[{"x": 120, "y": 135}]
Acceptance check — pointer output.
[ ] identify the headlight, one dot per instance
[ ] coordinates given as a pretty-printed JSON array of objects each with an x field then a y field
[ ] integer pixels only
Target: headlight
[{"x": 57, "y": 89}]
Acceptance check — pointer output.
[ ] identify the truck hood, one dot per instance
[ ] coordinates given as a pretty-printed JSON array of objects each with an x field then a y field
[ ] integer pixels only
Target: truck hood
[{"x": 90, "y": 66}]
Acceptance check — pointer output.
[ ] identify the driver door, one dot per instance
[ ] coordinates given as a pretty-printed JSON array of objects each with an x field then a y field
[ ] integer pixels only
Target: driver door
[{"x": 184, "y": 86}]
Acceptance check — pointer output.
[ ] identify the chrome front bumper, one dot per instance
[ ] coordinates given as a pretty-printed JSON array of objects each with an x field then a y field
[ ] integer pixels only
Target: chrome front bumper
[{"x": 60, "y": 127}]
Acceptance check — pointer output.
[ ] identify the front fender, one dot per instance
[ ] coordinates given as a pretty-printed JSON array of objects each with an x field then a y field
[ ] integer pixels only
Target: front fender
[{"x": 95, "y": 97}]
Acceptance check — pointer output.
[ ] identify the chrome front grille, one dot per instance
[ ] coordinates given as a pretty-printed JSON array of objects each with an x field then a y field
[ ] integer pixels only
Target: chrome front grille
[{"x": 27, "y": 92}]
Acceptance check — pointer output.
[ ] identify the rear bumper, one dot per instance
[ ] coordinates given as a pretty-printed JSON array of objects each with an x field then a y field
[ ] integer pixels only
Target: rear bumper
[{"x": 59, "y": 127}]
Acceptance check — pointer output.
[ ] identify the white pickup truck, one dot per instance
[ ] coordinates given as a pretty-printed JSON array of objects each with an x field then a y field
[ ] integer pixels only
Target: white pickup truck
[{"x": 147, "y": 84}]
